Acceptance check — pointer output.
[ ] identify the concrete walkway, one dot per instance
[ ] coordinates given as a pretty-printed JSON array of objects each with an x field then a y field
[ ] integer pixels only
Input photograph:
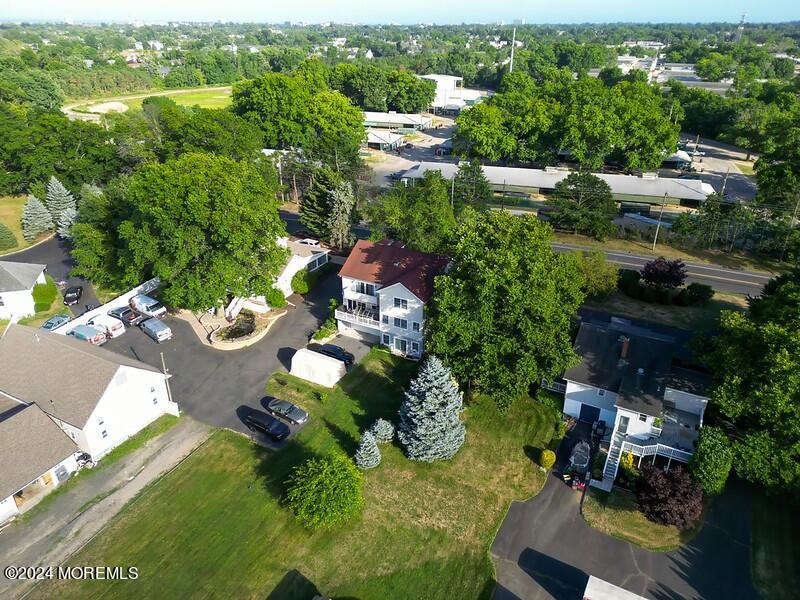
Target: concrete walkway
[
  {"x": 51, "y": 537},
  {"x": 545, "y": 549}
]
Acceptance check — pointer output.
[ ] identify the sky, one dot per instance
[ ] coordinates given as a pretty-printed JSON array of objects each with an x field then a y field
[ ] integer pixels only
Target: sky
[{"x": 404, "y": 11}]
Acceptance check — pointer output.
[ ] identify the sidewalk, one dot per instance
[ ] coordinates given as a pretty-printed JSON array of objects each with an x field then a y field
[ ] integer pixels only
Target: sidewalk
[{"x": 51, "y": 537}]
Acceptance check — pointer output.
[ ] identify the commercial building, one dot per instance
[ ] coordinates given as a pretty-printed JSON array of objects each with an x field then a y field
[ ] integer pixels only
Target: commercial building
[
  {"x": 383, "y": 140},
  {"x": 451, "y": 95},
  {"x": 394, "y": 120},
  {"x": 634, "y": 189}
]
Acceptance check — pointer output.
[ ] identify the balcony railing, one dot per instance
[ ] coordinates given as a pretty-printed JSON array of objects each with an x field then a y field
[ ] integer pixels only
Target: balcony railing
[
  {"x": 659, "y": 449},
  {"x": 367, "y": 318}
]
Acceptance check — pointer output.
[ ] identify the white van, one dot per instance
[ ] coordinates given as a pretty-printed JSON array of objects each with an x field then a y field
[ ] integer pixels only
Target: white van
[
  {"x": 147, "y": 306},
  {"x": 113, "y": 327},
  {"x": 157, "y": 330}
]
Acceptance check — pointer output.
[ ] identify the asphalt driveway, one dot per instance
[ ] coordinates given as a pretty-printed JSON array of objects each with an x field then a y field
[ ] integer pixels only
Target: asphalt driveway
[
  {"x": 55, "y": 254},
  {"x": 220, "y": 387},
  {"x": 544, "y": 549}
]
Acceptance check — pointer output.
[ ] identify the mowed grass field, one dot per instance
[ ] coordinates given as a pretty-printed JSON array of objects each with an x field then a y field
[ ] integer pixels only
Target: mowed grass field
[
  {"x": 218, "y": 98},
  {"x": 217, "y": 527},
  {"x": 11, "y": 215}
]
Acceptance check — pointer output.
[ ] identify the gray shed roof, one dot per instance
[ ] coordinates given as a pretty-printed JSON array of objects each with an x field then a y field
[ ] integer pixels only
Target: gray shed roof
[
  {"x": 66, "y": 377},
  {"x": 15, "y": 277},
  {"x": 656, "y": 187},
  {"x": 30, "y": 445}
]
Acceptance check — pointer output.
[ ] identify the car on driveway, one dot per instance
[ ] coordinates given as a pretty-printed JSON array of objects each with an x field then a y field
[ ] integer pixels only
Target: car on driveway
[
  {"x": 333, "y": 351},
  {"x": 113, "y": 327},
  {"x": 127, "y": 315},
  {"x": 285, "y": 410},
  {"x": 157, "y": 330},
  {"x": 90, "y": 333},
  {"x": 266, "y": 424},
  {"x": 56, "y": 321},
  {"x": 73, "y": 295},
  {"x": 147, "y": 306}
]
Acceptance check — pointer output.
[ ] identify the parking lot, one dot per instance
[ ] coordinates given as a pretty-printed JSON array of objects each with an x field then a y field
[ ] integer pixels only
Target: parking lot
[{"x": 220, "y": 387}]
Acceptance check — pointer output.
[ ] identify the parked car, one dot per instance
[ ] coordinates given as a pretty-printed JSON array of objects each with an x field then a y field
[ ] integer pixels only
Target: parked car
[
  {"x": 113, "y": 327},
  {"x": 285, "y": 410},
  {"x": 89, "y": 308},
  {"x": 397, "y": 175},
  {"x": 309, "y": 242},
  {"x": 156, "y": 330},
  {"x": 145, "y": 305},
  {"x": 56, "y": 321},
  {"x": 73, "y": 295},
  {"x": 90, "y": 333},
  {"x": 333, "y": 351},
  {"x": 127, "y": 315},
  {"x": 268, "y": 425}
]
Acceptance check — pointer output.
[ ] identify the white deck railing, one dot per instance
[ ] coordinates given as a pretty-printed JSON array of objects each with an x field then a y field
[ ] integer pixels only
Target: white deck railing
[
  {"x": 349, "y": 317},
  {"x": 659, "y": 449}
]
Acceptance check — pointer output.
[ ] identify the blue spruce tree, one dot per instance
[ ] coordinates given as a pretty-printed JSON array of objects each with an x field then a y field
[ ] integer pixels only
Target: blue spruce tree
[{"x": 430, "y": 428}]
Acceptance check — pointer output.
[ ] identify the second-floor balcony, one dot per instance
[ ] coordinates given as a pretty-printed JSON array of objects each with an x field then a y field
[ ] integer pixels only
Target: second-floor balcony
[{"x": 359, "y": 317}]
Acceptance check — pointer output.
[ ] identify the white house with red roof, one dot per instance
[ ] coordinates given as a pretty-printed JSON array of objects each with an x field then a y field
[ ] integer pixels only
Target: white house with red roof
[{"x": 385, "y": 287}]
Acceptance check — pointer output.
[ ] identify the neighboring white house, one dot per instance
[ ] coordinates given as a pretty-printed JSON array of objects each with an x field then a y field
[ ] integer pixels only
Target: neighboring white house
[
  {"x": 385, "y": 287},
  {"x": 35, "y": 456},
  {"x": 16, "y": 288},
  {"x": 451, "y": 95},
  {"x": 626, "y": 378},
  {"x": 97, "y": 397}
]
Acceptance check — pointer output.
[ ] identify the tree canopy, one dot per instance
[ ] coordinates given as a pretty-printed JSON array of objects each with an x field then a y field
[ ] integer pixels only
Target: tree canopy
[
  {"x": 584, "y": 204},
  {"x": 500, "y": 318}
]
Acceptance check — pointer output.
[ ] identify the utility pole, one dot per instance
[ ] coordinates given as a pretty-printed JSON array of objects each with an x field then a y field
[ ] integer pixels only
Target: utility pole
[
  {"x": 658, "y": 226},
  {"x": 791, "y": 226},
  {"x": 452, "y": 189},
  {"x": 724, "y": 183},
  {"x": 513, "y": 45},
  {"x": 740, "y": 29}
]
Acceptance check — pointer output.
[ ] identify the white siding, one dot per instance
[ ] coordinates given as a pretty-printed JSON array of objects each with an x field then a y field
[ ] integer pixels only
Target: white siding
[
  {"x": 8, "y": 508},
  {"x": 14, "y": 305},
  {"x": 636, "y": 426},
  {"x": 134, "y": 399},
  {"x": 579, "y": 393},
  {"x": 413, "y": 313},
  {"x": 686, "y": 401}
]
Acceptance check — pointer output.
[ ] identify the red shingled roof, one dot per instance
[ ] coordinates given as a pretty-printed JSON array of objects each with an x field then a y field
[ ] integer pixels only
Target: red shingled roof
[{"x": 388, "y": 262}]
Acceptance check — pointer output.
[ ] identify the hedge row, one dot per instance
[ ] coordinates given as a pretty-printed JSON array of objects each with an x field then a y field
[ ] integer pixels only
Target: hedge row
[{"x": 694, "y": 294}]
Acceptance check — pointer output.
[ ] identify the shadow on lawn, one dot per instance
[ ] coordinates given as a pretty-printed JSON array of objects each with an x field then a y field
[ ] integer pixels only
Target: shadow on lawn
[
  {"x": 294, "y": 586},
  {"x": 274, "y": 468}
]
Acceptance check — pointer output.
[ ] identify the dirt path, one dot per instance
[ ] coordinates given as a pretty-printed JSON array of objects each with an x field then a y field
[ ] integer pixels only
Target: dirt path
[{"x": 51, "y": 538}]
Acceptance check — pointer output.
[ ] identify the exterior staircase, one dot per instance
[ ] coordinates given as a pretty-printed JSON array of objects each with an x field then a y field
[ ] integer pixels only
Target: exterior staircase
[{"x": 611, "y": 466}]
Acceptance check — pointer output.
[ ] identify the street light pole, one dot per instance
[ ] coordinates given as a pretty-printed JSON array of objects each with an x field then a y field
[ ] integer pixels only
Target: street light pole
[{"x": 658, "y": 225}]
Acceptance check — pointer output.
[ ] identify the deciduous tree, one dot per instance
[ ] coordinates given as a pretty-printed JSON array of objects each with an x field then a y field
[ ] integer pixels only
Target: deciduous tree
[
  {"x": 712, "y": 460},
  {"x": 663, "y": 273},
  {"x": 669, "y": 498},
  {"x": 584, "y": 204}
]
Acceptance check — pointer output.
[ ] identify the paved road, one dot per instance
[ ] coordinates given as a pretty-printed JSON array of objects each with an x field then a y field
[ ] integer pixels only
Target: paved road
[
  {"x": 220, "y": 387},
  {"x": 55, "y": 254},
  {"x": 722, "y": 279},
  {"x": 545, "y": 549}
]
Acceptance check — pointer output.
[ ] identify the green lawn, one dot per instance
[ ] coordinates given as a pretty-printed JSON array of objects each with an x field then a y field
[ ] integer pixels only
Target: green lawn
[
  {"x": 695, "y": 318},
  {"x": 776, "y": 554},
  {"x": 618, "y": 515},
  {"x": 216, "y": 525},
  {"x": 11, "y": 215},
  {"x": 202, "y": 98}
]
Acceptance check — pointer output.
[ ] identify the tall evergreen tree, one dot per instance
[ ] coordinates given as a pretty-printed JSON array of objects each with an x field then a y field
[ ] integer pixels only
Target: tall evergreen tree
[
  {"x": 35, "y": 218},
  {"x": 59, "y": 199},
  {"x": 471, "y": 188},
  {"x": 316, "y": 204},
  {"x": 368, "y": 456},
  {"x": 340, "y": 220},
  {"x": 430, "y": 428},
  {"x": 65, "y": 221}
]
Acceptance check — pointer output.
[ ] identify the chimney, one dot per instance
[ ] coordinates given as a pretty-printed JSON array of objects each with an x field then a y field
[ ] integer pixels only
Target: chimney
[{"x": 626, "y": 344}]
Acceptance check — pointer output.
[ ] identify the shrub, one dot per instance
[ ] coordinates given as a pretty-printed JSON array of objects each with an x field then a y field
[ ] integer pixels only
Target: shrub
[
  {"x": 44, "y": 294},
  {"x": 712, "y": 460},
  {"x": 7, "y": 238},
  {"x": 547, "y": 459},
  {"x": 301, "y": 282},
  {"x": 628, "y": 282},
  {"x": 275, "y": 298},
  {"x": 368, "y": 456},
  {"x": 325, "y": 492},
  {"x": 664, "y": 296},
  {"x": 681, "y": 298},
  {"x": 699, "y": 293},
  {"x": 599, "y": 275},
  {"x": 669, "y": 498},
  {"x": 330, "y": 326},
  {"x": 383, "y": 431},
  {"x": 549, "y": 399},
  {"x": 663, "y": 273},
  {"x": 322, "y": 397},
  {"x": 598, "y": 464},
  {"x": 648, "y": 294}
]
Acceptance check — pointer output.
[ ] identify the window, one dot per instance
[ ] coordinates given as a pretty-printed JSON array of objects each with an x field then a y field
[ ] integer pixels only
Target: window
[
  {"x": 385, "y": 319},
  {"x": 365, "y": 288},
  {"x": 100, "y": 422},
  {"x": 415, "y": 326},
  {"x": 1, "y": 301},
  {"x": 155, "y": 400},
  {"x": 642, "y": 417},
  {"x": 414, "y": 347},
  {"x": 400, "y": 344},
  {"x": 601, "y": 392},
  {"x": 400, "y": 323},
  {"x": 104, "y": 433},
  {"x": 400, "y": 303},
  {"x": 386, "y": 339}
]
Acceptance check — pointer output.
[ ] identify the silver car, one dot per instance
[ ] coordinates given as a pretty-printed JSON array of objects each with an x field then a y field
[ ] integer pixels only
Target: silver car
[
  {"x": 285, "y": 410},
  {"x": 157, "y": 330}
]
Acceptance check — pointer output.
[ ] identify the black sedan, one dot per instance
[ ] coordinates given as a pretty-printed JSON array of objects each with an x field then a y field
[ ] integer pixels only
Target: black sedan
[
  {"x": 127, "y": 315},
  {"x": 269, "y": 426},
  {"x": 73, "y": 295},
  {"x": 333, "y": 351},
  {"x": 285, "y": 410}
]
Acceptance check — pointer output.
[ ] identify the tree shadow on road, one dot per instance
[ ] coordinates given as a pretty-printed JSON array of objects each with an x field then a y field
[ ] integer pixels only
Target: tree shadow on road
[{"x": 559, "y": 579}]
